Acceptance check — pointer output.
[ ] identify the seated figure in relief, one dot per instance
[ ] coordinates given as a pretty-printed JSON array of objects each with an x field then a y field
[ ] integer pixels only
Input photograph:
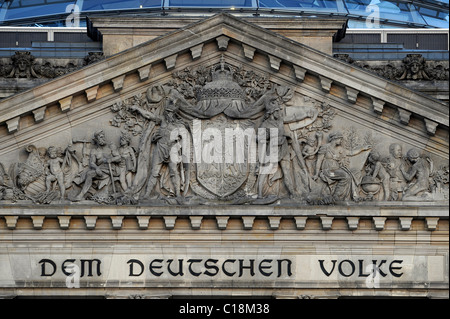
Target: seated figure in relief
[
  {"x": 100, "y": 169},
  {"x": 331, "y": 167},
  {"x": 376, "y": 173}
]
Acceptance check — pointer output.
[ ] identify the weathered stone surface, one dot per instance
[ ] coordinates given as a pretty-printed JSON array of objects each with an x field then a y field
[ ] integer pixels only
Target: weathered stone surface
[{"x": 106, "y": 179}]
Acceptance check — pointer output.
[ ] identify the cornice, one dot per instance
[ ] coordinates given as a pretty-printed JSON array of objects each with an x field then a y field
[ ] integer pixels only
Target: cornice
[{"x": 403, "y": 214}]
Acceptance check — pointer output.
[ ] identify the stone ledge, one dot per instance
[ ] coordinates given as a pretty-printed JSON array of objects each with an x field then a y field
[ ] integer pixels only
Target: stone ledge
[
  {"x": 383, "y": 209},
  {"x": 325, "y": 223}
]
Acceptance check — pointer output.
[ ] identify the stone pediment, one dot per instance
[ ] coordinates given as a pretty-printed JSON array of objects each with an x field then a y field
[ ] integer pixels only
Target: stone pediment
[{"x": 340, "y": 134}]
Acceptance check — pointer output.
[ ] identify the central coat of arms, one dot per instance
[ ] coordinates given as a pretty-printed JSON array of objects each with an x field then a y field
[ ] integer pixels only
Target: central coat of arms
[
  {"x": 222, "y": 133},
  {"x": 219, "y": 114},
  {"x": 222, "y": 153}
]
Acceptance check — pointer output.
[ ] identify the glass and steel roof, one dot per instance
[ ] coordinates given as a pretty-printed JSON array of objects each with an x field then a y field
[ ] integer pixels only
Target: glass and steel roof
[{"x": 361, "y": 13}]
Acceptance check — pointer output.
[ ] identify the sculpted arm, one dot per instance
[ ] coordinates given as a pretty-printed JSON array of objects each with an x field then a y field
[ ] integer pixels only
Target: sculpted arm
[
  {"x": 133, "y": 158},
  {"x": 148, "y": 115},
  {"x": 115, "y": 155},
  {"x": 358, "y": 151},
  {"x": 430, "y": 161},
  {"x": 408, "y": 175}
]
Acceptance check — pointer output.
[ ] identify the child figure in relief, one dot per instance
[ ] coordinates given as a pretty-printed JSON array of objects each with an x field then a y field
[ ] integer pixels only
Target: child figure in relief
[
  {"x": 127, "y": 165},
  {"x": 55, "y": 170},
  {"x": 310, "y": 150}
]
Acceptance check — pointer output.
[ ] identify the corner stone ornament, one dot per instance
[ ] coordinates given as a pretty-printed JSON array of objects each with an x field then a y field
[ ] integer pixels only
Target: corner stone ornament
[
  {"x": 413, "y": 67},
  {"x": 24, "y": 65},
  {"x": 223, "y": 135}
]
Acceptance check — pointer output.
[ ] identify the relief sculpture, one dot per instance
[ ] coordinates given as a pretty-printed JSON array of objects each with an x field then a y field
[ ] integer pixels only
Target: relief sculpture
[
  {"x": 413, "y": 67},
  {"x": 24, "y": 65},
  {"x": 224, "y": 135}
]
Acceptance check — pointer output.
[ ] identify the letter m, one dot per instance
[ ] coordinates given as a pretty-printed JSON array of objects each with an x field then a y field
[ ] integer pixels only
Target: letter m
[{"x": 90, "y": 263}]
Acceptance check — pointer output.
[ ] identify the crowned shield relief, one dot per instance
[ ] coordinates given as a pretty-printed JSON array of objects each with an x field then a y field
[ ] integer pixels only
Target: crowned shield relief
[{"x": 221, "y": 170}]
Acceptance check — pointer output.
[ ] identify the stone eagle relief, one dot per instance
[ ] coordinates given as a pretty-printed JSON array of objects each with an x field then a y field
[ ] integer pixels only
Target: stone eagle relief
[{"x": 223, "y": 135}]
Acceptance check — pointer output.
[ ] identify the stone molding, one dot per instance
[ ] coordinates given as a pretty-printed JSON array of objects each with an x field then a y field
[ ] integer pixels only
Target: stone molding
[{"x": 273, "y": 216}]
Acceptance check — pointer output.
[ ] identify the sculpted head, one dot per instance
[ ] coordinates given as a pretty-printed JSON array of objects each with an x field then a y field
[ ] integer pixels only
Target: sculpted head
[
  {"x": 125, "y": 139},
  {"x": 99, "y": 138},
  {"x": 395, "y": 150},
  {"x": 413, "y": 155},
  {"x": 336, "y": 137},
  {"x": 52, "y": 152}
]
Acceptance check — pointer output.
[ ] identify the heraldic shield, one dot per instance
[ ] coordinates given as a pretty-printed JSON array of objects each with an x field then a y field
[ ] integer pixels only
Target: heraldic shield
[{"x": 227, "y": 152}]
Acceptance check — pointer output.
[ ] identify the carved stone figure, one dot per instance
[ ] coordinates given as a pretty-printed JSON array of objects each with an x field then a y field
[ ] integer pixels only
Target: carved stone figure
[
  {"x": 165, "y": 139},
  {"x": 8, "y": 187},
  {"x": 438, "y": 71},
  {"x": 55, "y": 171},
  {"x": 376, "y": 174},
  {"x": 4, "y": 182},
  {"x": 23, "y": 65},
  {"x": 102, "y": 157},
  {"x": 440, "y": 182},
  {"x": 24, "y": 174},
  {"x": 223, "y": 135},
  {"x": 47, "y": 70},
  {"x": 309, "y": 151},
  {"x": 93, "y": 57},
  {"x": 332, "y": 168},
  {"x": 5, "y": 69},
  {"x": 273, "y": 133},
  {"x": 395, "y": 162},
  {"x": 418, "y": 174},
  {"x": 127, "y": 165},
  {"x": 415, "y": 68}
]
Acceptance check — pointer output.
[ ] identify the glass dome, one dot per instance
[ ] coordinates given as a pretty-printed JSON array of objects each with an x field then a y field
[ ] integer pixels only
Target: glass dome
[{"x": 361, "y": 13}]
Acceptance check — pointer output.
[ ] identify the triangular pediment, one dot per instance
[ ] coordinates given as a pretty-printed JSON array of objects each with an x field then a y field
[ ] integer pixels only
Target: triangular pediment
[{"x": 318, "y": 96}]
